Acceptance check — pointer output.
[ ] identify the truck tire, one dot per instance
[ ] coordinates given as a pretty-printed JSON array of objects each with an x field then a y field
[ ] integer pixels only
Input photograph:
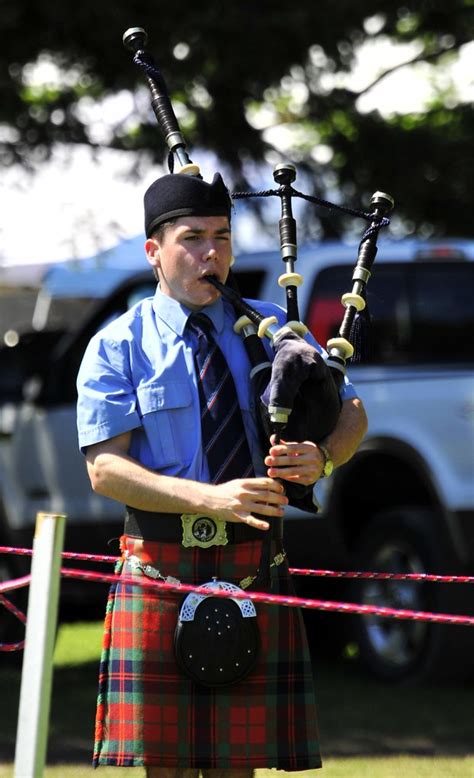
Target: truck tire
[{"x": 405, "y": 540}]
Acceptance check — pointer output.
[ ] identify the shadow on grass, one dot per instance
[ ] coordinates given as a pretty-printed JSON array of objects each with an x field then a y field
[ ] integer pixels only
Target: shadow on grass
[
  {"x": 72, "y": 713},
  {"x": 358, "y": 715}
]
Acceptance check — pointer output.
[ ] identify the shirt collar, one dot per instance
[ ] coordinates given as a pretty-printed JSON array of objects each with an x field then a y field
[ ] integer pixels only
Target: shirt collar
[{"x": 174, "y": 315}]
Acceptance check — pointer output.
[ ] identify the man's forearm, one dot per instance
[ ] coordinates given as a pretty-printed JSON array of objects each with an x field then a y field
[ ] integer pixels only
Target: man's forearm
[
  {"x": 116, "y": 475},
  {"x": 351, "y": 427}
]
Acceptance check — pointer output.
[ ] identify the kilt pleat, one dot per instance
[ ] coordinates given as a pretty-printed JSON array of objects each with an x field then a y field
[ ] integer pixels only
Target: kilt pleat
[{"x": 149, "y": 713}]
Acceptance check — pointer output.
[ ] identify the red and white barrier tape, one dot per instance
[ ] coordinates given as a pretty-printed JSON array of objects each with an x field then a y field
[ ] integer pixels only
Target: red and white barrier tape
[
  {"x": 276, "y": 599},
  {"x": 271, "y": 599},
  {"x": 15, "y": 583},
  {"x": 379, "y": 576}
]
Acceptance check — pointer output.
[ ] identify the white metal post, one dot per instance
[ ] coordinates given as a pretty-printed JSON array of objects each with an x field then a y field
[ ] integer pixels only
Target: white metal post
[{"x": 37, "y": 671}]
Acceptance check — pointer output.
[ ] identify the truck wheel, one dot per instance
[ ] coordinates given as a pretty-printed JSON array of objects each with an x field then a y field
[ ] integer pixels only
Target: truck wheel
[{"x": 404, "y": 540}]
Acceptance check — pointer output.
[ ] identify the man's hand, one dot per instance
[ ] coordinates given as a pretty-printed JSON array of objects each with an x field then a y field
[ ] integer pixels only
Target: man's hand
[
  {"x": 300, "y": 463},
  {"x": 237, "y": 500}
]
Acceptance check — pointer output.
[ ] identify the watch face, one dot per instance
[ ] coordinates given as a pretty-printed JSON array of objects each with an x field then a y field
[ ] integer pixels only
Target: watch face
[
  {"x": 328, "y": 468},
  {"x": 328, "y": 464}
]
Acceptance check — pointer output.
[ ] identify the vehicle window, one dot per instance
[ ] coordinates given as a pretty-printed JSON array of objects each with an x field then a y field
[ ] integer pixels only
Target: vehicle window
[
  {"x": 326, "y": 311},
  {"x": 442, "y": 310},
  {"x": 67, "y": 312},
  {"x": 389, "y": 312},
  {"x": 419, "y": 313},
  {"x": 16, "y": 309}
]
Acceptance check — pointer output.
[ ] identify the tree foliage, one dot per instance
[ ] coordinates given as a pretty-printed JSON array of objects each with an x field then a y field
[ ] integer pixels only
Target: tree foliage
[{"x": 223, "y": 64}]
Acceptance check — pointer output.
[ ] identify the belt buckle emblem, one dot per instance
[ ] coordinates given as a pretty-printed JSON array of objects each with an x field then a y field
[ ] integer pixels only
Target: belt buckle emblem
[{"x": 202, "y": 531}]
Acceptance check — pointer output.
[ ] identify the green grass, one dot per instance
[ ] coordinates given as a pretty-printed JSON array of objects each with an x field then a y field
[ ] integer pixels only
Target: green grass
[
  {"x": 368, "y": 728},
  {"x": 78, "y": 644},
  {"x": 360, "y": 767}
]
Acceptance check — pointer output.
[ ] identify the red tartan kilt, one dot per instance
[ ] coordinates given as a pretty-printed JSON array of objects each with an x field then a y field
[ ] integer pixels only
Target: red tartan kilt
[{"x": 148, "y": 713}]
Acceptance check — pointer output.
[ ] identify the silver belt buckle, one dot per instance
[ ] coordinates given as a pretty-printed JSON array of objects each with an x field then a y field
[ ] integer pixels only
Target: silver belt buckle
[{"x": 202, "y": 531}]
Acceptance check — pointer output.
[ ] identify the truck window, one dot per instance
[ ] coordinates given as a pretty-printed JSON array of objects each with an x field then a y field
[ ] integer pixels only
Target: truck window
[
  {"x": 420, "y": 312},
  {"x": 325, "y": 311},
  {"x": 441, "y": 302}
]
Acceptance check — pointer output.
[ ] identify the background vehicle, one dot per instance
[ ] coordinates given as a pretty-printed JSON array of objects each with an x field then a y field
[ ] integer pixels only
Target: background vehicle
[{"x": 403, "y": 503}]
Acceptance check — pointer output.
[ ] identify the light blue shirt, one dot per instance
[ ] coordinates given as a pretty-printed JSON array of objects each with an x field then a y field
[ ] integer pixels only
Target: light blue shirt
[{"x": 138, "y": 375}]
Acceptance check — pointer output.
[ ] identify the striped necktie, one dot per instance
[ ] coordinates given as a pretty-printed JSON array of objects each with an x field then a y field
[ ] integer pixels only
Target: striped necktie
[{"x": 223, "y": 435}]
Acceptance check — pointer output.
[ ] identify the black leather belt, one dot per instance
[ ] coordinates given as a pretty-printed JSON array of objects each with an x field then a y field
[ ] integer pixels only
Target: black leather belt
[{"x": 168, "y": 528}]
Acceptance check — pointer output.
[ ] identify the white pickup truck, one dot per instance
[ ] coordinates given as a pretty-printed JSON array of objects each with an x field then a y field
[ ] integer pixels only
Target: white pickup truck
[{"x": 404, "y": 503}]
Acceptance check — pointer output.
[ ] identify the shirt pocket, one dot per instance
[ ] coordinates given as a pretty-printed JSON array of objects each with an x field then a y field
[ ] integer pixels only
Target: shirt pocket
[{"x": 166, "y": 411}]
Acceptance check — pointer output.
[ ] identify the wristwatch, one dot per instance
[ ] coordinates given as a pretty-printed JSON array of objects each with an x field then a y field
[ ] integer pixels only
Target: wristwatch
[{"x": 328, "y": 466}]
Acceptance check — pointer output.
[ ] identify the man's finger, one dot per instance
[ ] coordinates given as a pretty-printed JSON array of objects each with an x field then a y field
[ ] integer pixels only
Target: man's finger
[{"x": 252, "y": 521}]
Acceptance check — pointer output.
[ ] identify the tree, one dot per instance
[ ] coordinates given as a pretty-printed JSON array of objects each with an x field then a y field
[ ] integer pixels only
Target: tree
[{"x": 228, "y": 65}]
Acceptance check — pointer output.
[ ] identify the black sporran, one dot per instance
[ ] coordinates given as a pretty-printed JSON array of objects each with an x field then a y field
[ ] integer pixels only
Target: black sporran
[{"x": 217, "y": 639}]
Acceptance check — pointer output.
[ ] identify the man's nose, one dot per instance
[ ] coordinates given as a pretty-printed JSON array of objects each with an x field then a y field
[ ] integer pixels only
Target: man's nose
[{"x": 210, "y": 252}]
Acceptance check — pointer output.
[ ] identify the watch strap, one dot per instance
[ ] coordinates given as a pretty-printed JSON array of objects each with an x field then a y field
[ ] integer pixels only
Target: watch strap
[{"x": 328, "y": 463}]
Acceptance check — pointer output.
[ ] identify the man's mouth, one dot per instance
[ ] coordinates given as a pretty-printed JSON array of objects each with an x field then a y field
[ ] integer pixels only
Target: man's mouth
[{"x": 212, "y": 279}]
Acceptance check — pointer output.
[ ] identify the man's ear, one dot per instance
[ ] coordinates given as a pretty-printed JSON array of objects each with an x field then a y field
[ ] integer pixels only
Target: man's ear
[{"x": 152, "y": 251}]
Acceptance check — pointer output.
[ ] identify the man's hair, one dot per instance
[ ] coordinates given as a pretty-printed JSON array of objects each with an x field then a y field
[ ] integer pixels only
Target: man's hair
[
  {"x": 158, "y": 235},
  {"x": 159, "y": 232}
]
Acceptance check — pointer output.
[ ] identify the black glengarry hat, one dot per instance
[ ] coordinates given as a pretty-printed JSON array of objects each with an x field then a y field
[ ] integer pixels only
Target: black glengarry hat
[{"x": 178, "y": 194}]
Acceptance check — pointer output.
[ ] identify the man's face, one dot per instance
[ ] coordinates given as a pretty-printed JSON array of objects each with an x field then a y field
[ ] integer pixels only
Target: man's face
[{"x": 188, "y": 251}]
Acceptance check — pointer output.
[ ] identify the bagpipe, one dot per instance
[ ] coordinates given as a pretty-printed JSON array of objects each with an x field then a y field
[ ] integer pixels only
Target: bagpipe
[{"x": 298, "y": 391}]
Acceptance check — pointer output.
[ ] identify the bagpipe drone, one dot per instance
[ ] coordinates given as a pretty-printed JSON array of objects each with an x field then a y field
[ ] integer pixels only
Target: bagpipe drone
[{"x": 298, "y": 391}]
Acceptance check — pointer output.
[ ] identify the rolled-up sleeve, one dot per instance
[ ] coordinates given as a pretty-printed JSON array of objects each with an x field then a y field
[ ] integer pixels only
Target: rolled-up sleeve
[{"x": 107, "y": 402}]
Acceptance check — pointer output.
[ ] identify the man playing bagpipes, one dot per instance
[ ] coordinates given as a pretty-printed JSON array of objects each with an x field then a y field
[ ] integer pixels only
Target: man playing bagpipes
[{"x": 168, "y": 422}]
